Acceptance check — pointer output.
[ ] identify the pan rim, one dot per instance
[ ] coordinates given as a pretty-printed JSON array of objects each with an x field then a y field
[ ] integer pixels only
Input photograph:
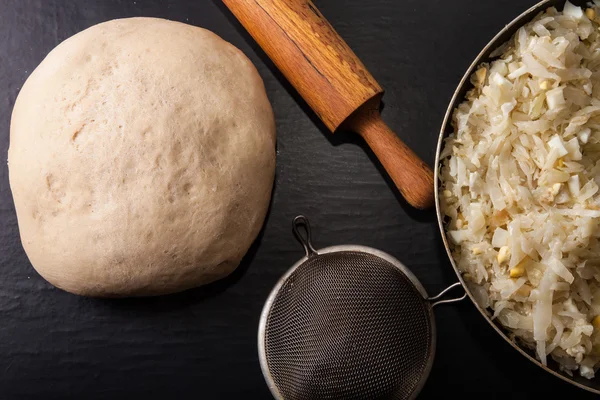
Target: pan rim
[{"x": 490, "y": 46}]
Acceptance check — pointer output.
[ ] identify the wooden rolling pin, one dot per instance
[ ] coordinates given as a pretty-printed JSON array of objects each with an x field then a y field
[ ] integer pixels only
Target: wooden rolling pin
[{"x": 334, "y": 83}]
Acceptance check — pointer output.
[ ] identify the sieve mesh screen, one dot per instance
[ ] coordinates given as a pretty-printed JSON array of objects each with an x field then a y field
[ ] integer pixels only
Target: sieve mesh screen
[{"x": 348, "y": 325}]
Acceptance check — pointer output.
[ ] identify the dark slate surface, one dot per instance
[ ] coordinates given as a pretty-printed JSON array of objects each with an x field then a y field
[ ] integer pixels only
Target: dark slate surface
[{"x": 202, "y": 343}]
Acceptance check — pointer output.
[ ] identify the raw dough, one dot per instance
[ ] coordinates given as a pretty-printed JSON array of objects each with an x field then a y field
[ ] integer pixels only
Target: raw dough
[{"x": 142, "y": 157}]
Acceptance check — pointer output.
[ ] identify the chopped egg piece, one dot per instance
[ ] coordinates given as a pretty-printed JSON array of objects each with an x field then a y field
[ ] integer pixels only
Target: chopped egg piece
[
  {"x": 500, "y": 238},
  {"x": 501, "y": 81},
  {"x": 584, "y": 135},
  {"x": 503, "y": 254},
  {"x": 517, "y": 271},
  {"x": 555, "y": 188},
  {"x": 572, "y": 10},
  {"x": 555, "y": 98},
  {"x": 596, "y": 322},
  {"x": 457, "y": 236},
  {"x": 590, "y": 13},
  {"x": 480, "y": 76},
  {"x": 556, "y": 143},
  {"x": 500, "y": 68}
]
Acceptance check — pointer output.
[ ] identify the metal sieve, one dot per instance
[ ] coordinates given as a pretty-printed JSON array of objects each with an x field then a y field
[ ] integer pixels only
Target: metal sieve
[{"x": 347, "y": 322}]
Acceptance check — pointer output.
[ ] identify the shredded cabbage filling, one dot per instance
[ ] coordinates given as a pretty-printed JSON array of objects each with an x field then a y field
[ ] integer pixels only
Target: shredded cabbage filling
[{"x": 520, "y": 187}]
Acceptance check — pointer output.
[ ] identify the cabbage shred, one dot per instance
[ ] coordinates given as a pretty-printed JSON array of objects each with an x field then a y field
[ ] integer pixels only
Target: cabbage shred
[{"x": 520, "y": 176}]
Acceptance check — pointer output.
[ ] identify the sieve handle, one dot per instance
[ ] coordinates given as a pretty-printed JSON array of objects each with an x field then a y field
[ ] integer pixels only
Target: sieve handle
[
  {"x": 305, "y": 240},
  {"x": 435, "y": 301}
]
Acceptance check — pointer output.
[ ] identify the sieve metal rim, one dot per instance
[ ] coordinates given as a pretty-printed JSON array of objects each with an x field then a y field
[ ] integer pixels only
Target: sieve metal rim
[{"x": 310, "y": 252}]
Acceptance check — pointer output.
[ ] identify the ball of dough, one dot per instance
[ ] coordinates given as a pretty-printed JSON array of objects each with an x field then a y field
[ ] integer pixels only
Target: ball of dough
[{"x": 141, "y": 160}]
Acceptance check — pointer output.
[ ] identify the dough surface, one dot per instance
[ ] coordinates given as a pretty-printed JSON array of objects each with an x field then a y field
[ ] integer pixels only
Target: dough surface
[{"x": 141, "y": 160}]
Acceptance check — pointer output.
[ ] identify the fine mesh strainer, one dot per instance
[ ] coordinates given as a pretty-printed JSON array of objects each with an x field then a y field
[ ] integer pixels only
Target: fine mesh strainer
[{"x": 347, "y": 322}]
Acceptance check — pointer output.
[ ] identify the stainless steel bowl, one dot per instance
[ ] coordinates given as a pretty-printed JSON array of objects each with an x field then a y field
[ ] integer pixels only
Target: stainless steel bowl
[{"x": 458, "y": 97}]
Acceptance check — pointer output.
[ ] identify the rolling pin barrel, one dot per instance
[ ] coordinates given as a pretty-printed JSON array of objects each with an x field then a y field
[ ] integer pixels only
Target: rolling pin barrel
[{"x": 334, "y": 83}]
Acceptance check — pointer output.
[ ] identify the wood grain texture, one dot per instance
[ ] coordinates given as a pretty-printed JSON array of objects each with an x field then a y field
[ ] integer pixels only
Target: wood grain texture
[
  {"x": 310, "y": 54},
  {"x": 412, "y": 177},
  {"x": 202, "y": 344},
  {"x": 334, "y": 83}
]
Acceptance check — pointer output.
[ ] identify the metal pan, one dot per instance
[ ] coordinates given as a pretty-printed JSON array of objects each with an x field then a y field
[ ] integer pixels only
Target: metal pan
[{"x": 459, "y": 95}]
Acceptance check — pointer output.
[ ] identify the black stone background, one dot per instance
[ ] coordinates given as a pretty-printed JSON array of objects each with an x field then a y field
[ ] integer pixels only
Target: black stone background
[{"x": 202, "y": 343}]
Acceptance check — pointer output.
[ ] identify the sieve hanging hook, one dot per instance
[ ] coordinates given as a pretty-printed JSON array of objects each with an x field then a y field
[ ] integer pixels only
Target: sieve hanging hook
[
  {"x": 305, "y": 241},
  {"x": 434, "y": 303}
]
